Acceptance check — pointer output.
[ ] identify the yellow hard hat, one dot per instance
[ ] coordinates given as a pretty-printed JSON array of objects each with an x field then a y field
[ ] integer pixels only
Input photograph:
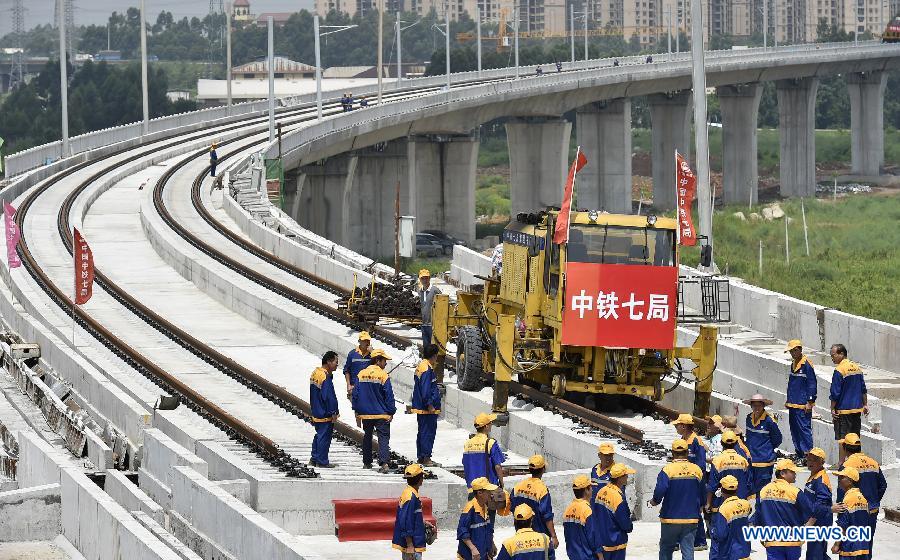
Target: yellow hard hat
[
  {"x": 606, "y": 449},
  {"x": 413, "y": 470},
  {"x": 364, "y": 335},
  {"x": 849, "y": 472},
  {"x": 484, "y": 419},
  {"x": 728, "y": 436},
  {"x": 851, "y": 439},
  {"x": 729, "y": 483},
  {"x": 686, "y": 419},
  {"x": 793, "y": 344},
  {"x": 785, "y": 465},
  {"x": 817, "y": 452},
  {"x": 581, "y": 482},
  {"x": 619, "y": 469},
  {"x": 483, "y": 483},
  {"x": 379, "y": 353},
  {"x": 424, "y": 273},
  {"x": 523, "y": 512},
  {"x": 679, "y": 445},
  {"x": 537, "y": 462}
]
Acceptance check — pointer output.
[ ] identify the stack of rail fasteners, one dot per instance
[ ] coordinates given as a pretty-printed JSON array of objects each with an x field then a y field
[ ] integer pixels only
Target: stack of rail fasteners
[{"x": 396, "y": 300}]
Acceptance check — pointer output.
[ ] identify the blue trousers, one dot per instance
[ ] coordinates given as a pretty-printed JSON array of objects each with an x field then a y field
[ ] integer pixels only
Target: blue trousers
[
  {"x": 212, "y": 170},
  {"x": 761, "y": 477},
  {"x": 872, "y": 542},
  {"x": 783, "y": 552},
  {"x": 383, "y": 428},
  {"x": 425, "y": 437},
  {"x": 700, "y": 534},
  {"x": 682, "y": 534},
  {"x": 322, "y": 442},
  {"x": 614, "y": 555},
  {"x": 801, "y": 429},
  {"x": 426, "y": 335},
  {"x": 817, "y": 550}
]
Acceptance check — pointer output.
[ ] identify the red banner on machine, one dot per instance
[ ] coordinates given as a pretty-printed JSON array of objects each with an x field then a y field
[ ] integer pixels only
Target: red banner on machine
[
  {"x": 619, "y": 305},
  {"x": 84, "y": 269},
  {"x": 686, "y": 184}
]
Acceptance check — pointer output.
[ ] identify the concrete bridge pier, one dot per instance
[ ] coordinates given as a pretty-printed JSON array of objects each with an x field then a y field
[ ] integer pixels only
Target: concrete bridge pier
[
  {"x": 603, "y": 130},
  {"x": 538, "y": 154},
  {"x": 740, "y": 112},
  {"x": 442, "y": 183},
  {"x": 317, "y": 199},
  {"x": 867, "y": 121},
  {"x": 670, "y": 116},
  {"x": 797, "y": 129}
]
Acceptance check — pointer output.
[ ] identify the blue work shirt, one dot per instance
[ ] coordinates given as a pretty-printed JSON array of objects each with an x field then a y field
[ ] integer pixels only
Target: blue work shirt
[
  {"x": 322, "y": 399},
  {"x": 356, "y": 362},
  {"x": 726, "y": 528},
  {"x": 763, "y": 438},
  {"x": 872, "y": 483},
  {"x": 525, "y": 545},
  {"x": 801, "y": 387},
  {"x": 425, "y": 390},
  {"x": 579, "y": 528},
  {"x": 599, "y": 478},
  {"x": 474, "y": 524},
  {"x": 729, "y": 463},
  {"x": 696, "y": 451},
  {"x": 613, "y": 518},
  {"x": 857, "y": 515},
  {"x": 818, "y": 490},
  {"x": 409, "y": 521},
  {"x": 474, "y": 463},
  {"x": 848, "y": 387},
  {"x": 533, "y": 492},
  {"x": 781, "y": 504},
  {"x": 373, "y": 397},
  {"x": 679, "y": 487}
]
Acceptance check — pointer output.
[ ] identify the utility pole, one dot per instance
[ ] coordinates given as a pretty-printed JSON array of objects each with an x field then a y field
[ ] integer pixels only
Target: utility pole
[
  {"x": 669, "y": 26},
  {"x": 516, "y": 40},
  {"x": 145, "y": 129},
  {"x": 478, "y": 33},
  {"x": 572, "y": 31},
  {"x": 585, "y": 35},
  {"x": 765, "y": 9},
  {"x": 447, "y": 42},
  {"x": 399, "y": 51},
  {"x": 271, "y": 26},
  {"x": 318, "y": 68},
  {"x": 704, "y": 193},
  {"x": 228, "y": 53},
  {"x": 380, "y": 47},
  {"x": 63, "y": 82},
  {"x": 17, "y": 71}
]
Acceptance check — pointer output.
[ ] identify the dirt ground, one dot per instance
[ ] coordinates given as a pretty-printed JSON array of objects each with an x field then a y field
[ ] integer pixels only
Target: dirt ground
[{"x": 31, "y": 551}]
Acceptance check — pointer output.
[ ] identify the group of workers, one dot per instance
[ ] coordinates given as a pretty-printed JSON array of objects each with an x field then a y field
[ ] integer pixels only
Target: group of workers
[
  {"x": 728, "y": 479},
  {"x": 347, "y": 102}
]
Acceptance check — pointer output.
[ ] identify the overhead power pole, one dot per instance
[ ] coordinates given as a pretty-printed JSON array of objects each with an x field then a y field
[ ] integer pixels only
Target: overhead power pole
[
  {"x": 704, "y": 193},
  {"x": 271, "y": 26},
  {"x": 16, "y": 71},
  {"x": 63, "y": 82},
  {"x": 228, "y": 53},
  {"x": 145, "y": 129}
]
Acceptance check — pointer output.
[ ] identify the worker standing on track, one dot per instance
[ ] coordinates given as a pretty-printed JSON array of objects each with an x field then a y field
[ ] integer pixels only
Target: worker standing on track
[
  {"x": 680, "y": 490},
  {"x": 534, "y": 493},
  {"x": 684, "y": 425},
  {"x": 525, "y": 544},
  {"x": 872, "y": 483},
  {"x": 818, "y": 490},
  {"x": 213, "y": 159},
  {"x": 475, "y": 531},
  {"x": 729, "y": 463},
  {"x": 324, "y": 405},
  {"x": 848, "y": 396},
  {"x": 357, "y": 360},
  {"x": 801, "y": 398},
  {"x": 855, "y": 514},
  {"x": 763, "y": 438},
  {"x": 426, "y": 404},
  {"x": 579, "y": 525},
  {"x": 781, "y": 504},
  {"x": 373, "y": 402},
  {"x": 727, "y": 525},
  {"x": 409, "y": 525},
  {"x": 613, "y": 516},
  {"x": 600, "y": 472},
  {"x": 482, "y": 455},
  {"x": 426, "y": 294}
]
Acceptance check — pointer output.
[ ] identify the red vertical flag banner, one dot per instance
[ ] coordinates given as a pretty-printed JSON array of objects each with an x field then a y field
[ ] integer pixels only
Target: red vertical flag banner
[
  {"x": 686, "y": 185},
  {"x": 561, "y": 231},
  {"x": 12, "y": 235},
  {"x": 84, "y": 270}
]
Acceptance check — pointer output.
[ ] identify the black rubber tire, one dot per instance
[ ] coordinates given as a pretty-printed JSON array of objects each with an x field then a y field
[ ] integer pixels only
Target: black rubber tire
[{"x": 469, "y": 365}]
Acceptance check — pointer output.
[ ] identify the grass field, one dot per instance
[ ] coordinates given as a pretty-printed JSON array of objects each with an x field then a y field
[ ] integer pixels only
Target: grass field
[{"x": 854, "y": 261}]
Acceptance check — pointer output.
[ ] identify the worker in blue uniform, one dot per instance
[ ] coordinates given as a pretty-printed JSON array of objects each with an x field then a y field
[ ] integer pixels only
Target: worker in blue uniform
[
  {"x": 849, "y": 399},
  {"x": 613, "y": 518},
  {"x": 818, "y": 490},
  {"x": 426, "y": 404},
  {"x": 872, "y": 483},
  {"x": 726, "y": 526},
  {"x": 680, "y": 490},
  {"x": 579, "y": 525},
  {"x": 684, "y": 425},
  {"x": 324, "y": 407},
  {"x": 213, "y": 159},
  {"x": 482, "y": 455},
  {"x": 409, "y": 525},
  {"x": 526, "y": 544},
  {"x": 357, "y": 360},
  {"x": 801, "y": 398},
  {"x": 763, "y": 438},
  {"x": 855, "y": 514},
  {"x": 781, "y": 504},
  {"x": 726, "y": 463},
  {"x": 600, "y": 473},
  {"x": 373, "y": 402},
  {"x": 730, "y": 423},
  {"x": 533, "y": 492},
  {"x": 475, "y": 531}
]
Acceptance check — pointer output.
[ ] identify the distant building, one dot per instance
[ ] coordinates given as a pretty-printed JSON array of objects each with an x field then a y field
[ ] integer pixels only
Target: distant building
[
  {"x": 240, "y": 11},
  {"x": 278, "y": 18},
  {"x": 178, "y": 95},
  {"x": 285, "y": 68}
]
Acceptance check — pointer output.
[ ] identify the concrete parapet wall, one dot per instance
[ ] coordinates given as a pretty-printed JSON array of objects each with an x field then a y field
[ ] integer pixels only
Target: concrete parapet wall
[
  {"x": 30, "y": 514},
  {"x": 466, "y": 264},
  {"x": 161, "y": 454},
  {"x": 155, "y": 527},
  {"x": 39, "y": 462},
  {"x": 129, "y": 496}
]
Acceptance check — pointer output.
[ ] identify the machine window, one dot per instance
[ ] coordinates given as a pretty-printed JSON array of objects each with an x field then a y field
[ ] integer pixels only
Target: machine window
[{"x": 621, "y": 245}]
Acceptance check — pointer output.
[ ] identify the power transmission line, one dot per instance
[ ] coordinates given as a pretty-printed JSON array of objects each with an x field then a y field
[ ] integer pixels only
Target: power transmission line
[
  {"x": 68, "y": 7},
  {"x": 16, "y": 71}
]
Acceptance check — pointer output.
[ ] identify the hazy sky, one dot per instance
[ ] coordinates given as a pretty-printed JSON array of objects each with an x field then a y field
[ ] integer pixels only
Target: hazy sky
[{"x": 97, "y": 11}]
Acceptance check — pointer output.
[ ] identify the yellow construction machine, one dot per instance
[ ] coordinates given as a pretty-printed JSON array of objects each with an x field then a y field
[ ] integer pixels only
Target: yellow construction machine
[{"x": 594, "y": 315}]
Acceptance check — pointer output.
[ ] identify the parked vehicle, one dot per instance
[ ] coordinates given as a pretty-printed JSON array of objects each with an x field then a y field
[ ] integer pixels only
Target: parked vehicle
[
  {"x": 446, "y": 240},
  {"x": 428, "y": 246}
]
